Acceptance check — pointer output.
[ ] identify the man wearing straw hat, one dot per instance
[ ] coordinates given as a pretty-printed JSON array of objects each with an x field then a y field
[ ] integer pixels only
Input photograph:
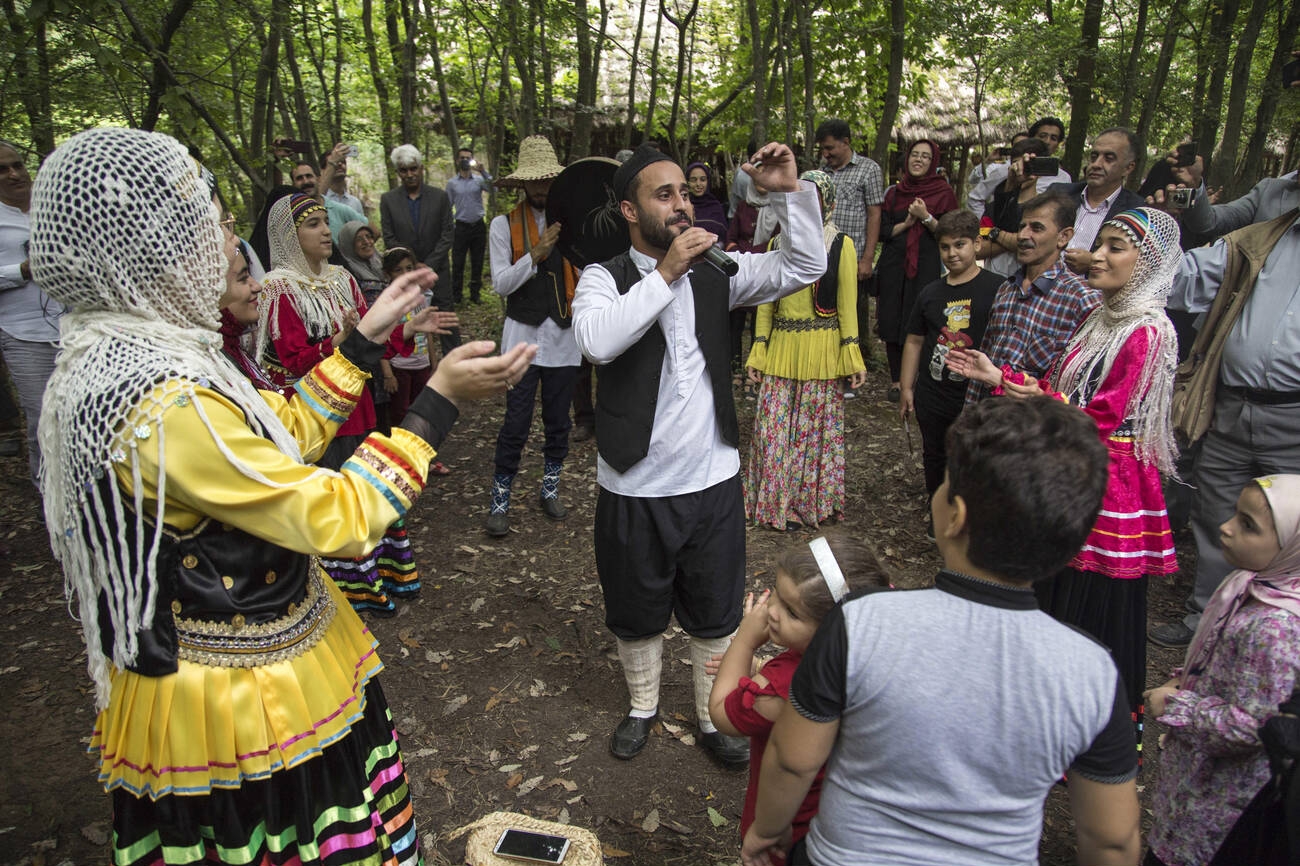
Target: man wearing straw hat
[
  {"x": 670, "y": 520},
  {"x": 537, "y": 283}
]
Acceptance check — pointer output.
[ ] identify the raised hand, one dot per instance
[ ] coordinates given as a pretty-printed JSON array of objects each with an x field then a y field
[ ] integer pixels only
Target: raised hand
[
  {"x": 402, "y": 295},
  {"x": 471, "y": 372}
]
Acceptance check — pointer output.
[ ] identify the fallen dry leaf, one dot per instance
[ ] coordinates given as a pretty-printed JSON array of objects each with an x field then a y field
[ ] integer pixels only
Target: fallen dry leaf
[
  {"x": 651, "y": 822},
  {"x": 611, "y": 851},
  {"x": 527, "y": 787}
]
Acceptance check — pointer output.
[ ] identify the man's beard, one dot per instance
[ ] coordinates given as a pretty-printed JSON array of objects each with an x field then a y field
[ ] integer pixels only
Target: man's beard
[
  {"x": 538, "y": 201},
  {"x": 658, "y": 234}
]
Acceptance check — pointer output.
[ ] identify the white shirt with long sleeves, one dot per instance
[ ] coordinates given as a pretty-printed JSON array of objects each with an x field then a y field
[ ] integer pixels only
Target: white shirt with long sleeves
[
  {"x": 978, "y": 197},
  {"x": 26, "y": 313},
  {"x": 687, "y": 453},
  {"x": 555, "y": 345}
]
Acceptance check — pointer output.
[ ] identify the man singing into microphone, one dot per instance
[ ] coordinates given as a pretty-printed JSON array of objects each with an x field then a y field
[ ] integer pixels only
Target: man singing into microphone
[{"x": 670, "y": 520}]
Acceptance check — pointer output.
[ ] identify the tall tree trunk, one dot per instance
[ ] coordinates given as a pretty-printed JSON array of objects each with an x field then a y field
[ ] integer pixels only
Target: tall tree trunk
[
  {"x": 319, "y": 60},
  {"x": 630, "y": 123},
  {"x": 336, "y": 18},
  {"x": 894, "y": 85},
  {"x": 1079, "y": 85},
  {"x": 1156, "y": 85},
  {"x": 444, "y": 97},
  {"x": 526, "y": 65},
  {"x": 1135, "y": 52},
  {"x": 379, "y": 78},
  {"x": 402, "y": 49},
  {"x": 654, "y": 78},
  {"x": 802, "y": 13},
  {"x": 159, "y": 76},
  {"x": 1219, "y": 43},
  {"x": 263, "y": 112},
  {"x": 1272, "y": 91},
  {"x": 1224, "y": 171},
  {"x": 682, "y": 23},
  {"x": 302, "y": 114},
  {"x": 758, "y": 66},
  {"x": 540, "y": 21},
  {"x": 31, "y": 83},
  {"x": 588, "y": 76},
  {"x": 787, "y": 73}
]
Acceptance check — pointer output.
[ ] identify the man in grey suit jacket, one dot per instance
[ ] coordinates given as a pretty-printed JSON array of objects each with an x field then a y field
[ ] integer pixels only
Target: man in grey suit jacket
[{"x": 418, "y": 216}]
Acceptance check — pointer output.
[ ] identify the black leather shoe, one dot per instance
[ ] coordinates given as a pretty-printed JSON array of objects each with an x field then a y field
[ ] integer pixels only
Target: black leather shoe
[
  {"x": 731, "y": 752},
  {"x": 497, "y": 524},
  {"x": 630, "y": 737},
  {"x": 1174, "y": 635},
  {"x": 552, "y": 508}
]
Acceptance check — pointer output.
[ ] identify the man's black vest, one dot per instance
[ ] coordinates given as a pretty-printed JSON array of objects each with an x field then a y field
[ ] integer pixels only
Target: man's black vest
[
  {"x": 627, "y": 388},
  {"x": 543, "y": 296}
]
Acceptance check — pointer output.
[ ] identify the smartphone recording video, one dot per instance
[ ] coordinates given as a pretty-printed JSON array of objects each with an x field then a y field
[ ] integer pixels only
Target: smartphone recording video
[{"x": 1043, "y": 166}]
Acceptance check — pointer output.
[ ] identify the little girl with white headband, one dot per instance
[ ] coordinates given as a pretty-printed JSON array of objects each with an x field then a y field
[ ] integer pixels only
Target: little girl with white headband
[{"x": 810, "y": 580}]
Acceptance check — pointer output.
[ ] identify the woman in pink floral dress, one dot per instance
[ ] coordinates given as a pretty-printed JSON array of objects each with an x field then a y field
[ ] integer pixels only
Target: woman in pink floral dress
[
  {"x": 804, "y": 346},
  {"x": 1243, "y": 661}
]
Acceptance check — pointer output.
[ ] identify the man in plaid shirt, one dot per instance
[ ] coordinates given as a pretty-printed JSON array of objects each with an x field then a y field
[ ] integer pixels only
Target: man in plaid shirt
[
  {"x": 1038, "y": 307},
  {"x": 859, "y": 192}
]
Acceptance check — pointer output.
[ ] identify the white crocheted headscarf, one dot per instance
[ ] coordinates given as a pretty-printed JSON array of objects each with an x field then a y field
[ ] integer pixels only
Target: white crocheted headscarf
[
  {"x": 322, "y": 298},
  {"x": 124, "y": 235},
  {"x": 1091, "y": 352}
]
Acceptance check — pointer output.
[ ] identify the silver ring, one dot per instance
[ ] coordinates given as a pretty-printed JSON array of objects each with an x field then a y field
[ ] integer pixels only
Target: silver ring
[{"x": 509, "y": 385}]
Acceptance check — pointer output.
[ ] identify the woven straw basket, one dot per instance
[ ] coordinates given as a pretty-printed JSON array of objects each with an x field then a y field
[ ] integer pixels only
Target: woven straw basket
[{"x": 584, "y": 847}]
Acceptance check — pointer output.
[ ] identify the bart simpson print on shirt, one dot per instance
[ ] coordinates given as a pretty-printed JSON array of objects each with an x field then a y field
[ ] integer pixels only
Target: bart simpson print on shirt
[{"x": 950, "y": 335}]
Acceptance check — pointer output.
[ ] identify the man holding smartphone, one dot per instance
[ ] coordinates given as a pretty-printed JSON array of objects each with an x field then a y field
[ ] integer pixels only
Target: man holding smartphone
[
  {"x": 1051, "y": 132},
  {"x": 466, "y": 194},
  {"x": 1267, "y": 200}
]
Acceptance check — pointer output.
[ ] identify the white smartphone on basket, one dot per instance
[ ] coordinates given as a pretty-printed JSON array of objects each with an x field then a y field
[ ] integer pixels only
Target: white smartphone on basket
[{"x": 534, "y": 847}]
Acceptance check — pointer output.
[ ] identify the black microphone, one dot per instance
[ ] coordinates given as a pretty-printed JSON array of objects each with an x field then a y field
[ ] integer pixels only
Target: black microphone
[{"x": 720, "y": 260}]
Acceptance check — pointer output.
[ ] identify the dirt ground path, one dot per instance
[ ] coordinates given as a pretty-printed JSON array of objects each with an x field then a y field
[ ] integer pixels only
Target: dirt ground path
[{"x": 502, "y": 677}]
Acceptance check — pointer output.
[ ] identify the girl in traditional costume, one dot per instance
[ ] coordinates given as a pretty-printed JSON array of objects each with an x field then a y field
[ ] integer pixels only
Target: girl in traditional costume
[{"x": 307, "y": 309}]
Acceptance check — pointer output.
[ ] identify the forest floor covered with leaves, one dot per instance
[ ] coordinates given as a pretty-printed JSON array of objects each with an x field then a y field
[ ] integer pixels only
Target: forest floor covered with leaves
[{"x": 502, "y": 678}]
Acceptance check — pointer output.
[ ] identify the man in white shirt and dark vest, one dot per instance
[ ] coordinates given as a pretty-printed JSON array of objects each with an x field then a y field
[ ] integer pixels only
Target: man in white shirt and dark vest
[
  {"x": 537, "y": 283},
  {"x": 670, "y": 520}
]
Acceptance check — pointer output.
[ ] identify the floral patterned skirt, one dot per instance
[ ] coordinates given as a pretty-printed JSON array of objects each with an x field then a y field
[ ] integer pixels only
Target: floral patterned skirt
[{"x": 796, "y": 460}]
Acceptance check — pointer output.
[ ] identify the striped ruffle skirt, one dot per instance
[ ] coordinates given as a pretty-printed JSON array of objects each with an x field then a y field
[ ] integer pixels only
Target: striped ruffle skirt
[{"x": 291, "y": 762}]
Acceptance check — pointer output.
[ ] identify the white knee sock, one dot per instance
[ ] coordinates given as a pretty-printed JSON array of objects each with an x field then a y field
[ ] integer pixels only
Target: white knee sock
[
  {"x": 703, "y": 649},
  {"x": 643, "y": 662}
]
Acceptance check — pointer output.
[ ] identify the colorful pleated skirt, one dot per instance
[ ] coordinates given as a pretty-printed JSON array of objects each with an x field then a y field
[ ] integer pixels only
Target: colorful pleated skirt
[{"x": 295, "y": 761}]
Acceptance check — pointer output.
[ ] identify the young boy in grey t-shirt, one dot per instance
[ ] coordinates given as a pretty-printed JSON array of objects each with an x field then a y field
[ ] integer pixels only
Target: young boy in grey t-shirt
[{"x": 945, "y": 715}]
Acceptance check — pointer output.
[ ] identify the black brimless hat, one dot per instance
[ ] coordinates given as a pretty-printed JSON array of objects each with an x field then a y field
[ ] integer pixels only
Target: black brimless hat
[{"x": 641, "y": 157}]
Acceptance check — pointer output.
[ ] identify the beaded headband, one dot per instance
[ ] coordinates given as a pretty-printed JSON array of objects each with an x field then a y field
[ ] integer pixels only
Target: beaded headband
[
  {"x": 1133, "y": 223},
  {"x": 302, "y": 206}
]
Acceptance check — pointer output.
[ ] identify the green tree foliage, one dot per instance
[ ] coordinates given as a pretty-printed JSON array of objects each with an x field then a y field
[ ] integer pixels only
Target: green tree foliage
[{"x": 700, "y": 76}]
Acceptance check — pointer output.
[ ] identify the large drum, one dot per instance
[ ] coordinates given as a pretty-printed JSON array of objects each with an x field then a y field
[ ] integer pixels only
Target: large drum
[{"x": 582, "y": 201}]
